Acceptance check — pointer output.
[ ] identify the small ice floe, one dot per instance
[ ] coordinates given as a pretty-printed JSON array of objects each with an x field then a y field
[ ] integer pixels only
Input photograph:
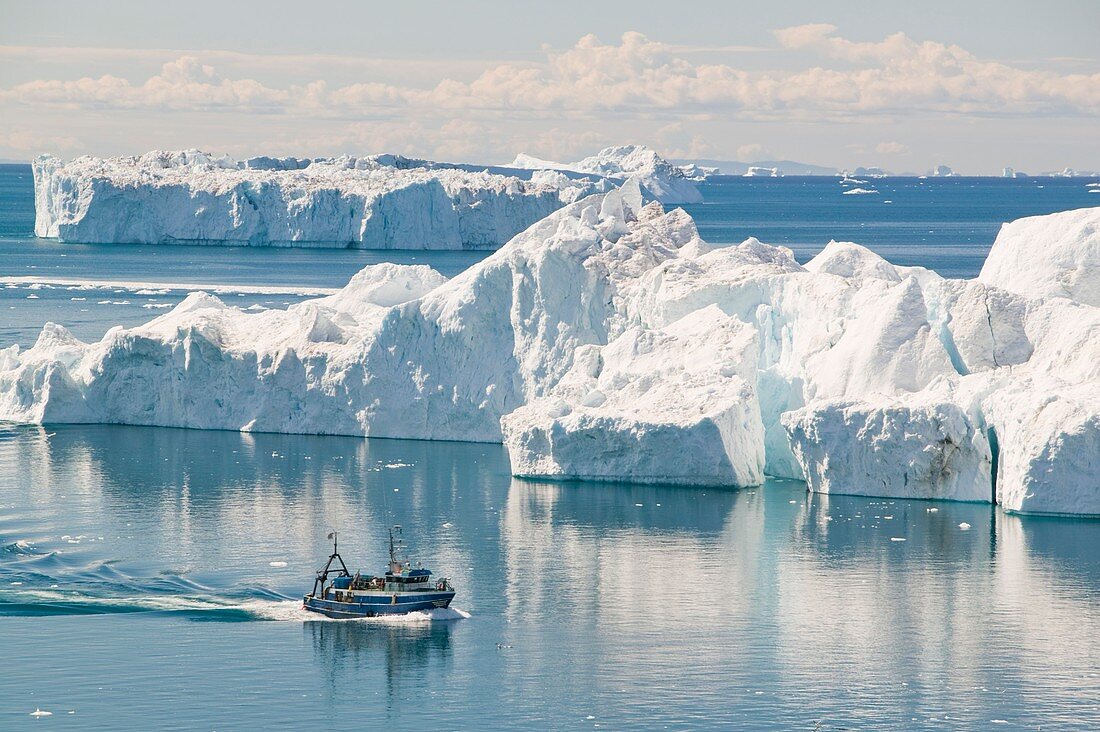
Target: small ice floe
[
  {"x": 933, "y": 510},
  {"x": 964, "y": 526},
  {"x": 448, "y": 525},
  {"x": 41, "y": 713},
  {"x": 276, "y": 564},
  {"x": 860, "y": 192},
  {"x": 638, "y": 505},
  {"x": 157, "y": 305},
  {"x": 897, "y": 538},
  {"x": 792, "y": 502},
  {"x": 17, "y": 583},
  {"x": 32, "y": 297},
  {"x": 397, "y": 465}
]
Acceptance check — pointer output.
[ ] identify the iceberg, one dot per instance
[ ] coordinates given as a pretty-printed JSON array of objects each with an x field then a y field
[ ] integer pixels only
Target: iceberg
[
  {"x": 608, "y": 342},
  {"x": 661, "y": 179},
  {"x": 1048, "y": 256},
  {"x": 378, "y": 202}
]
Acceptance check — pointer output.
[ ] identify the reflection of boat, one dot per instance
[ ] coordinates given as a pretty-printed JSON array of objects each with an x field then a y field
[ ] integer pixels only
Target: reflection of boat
[{"x": 402, "y": 589}]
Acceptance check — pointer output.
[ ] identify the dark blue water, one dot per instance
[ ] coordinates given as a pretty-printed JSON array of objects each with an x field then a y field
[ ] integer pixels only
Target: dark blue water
[
  {"x": 945, "y": 224},
  {"x": 149, "y": 578}
]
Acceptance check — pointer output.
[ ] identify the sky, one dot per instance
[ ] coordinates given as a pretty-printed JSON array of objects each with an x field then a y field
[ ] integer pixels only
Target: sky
[{"x": 974, "y": 85}]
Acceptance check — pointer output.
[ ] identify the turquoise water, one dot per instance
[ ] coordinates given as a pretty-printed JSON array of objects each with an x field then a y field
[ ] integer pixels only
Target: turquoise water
[{"x": 150, "y": 578}]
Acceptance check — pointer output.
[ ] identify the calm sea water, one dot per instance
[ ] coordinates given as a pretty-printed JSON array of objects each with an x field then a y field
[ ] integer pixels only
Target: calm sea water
[
  {"x": 151, "y": 578},
  {"x": 137, "y": 591}
]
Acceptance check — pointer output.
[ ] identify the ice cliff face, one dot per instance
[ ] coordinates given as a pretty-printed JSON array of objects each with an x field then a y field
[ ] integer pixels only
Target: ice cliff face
[
  {"x": 380, "y": 202},
  {"x": 609, "y": 342},
  {"x": 666, "y": 182}
]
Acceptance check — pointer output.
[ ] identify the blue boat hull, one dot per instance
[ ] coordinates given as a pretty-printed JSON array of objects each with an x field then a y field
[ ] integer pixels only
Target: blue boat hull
[{"x": 375, "y": 605}]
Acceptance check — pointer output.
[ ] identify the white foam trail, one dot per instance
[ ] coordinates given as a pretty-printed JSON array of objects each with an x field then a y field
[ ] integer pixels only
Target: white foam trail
[
  {"x": 135, "y": 286},
  {"x": 292, "y": 610}
]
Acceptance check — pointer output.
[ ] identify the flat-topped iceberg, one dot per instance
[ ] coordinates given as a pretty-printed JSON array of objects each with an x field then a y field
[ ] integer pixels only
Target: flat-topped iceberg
[
  {"x": 609, "y": 342},
  {"x": 664, "y": 181},
  {"x": 378, "y": 202}
]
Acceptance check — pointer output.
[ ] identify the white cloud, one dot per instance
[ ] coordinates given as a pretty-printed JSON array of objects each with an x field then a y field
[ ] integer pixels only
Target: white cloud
[
  {"x": 30, "y": 142},
  {"x": 752, "y": 152},
  {"x": 891, "y": 148},
  {"x": 636, "y": 75}
]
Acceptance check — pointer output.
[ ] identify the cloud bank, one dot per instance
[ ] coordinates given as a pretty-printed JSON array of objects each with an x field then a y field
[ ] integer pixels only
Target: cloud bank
[{"x": 656, "y": 87}]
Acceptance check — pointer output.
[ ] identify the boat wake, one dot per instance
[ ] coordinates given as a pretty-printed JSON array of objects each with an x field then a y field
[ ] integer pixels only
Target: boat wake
[
  {"x": 291, "y": 610},
  {"x": 36, "y": 582}
]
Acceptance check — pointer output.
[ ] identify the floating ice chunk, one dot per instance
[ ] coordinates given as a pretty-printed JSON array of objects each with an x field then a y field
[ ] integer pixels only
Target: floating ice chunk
[
  {"x": 41, "y": 713},
  {"x": 276, "y": 564},
  {"x": 964, "y": 526},
  {"x": 860, "y": 192}
]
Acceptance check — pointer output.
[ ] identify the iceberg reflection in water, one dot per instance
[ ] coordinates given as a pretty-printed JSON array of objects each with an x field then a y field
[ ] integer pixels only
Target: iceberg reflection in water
[{"x": 640, "y": 606}]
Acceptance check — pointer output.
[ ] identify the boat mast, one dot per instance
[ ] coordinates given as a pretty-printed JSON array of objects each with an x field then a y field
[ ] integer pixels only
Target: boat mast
[
  {"x": 323, "y": 573},
  {"x": 395, "y": 546}
]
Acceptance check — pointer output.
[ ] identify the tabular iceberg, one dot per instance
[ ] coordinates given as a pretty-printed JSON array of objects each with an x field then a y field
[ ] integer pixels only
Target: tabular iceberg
[
  {"x": 608, "y": 341},
  {"x": 379, "y": 202}
]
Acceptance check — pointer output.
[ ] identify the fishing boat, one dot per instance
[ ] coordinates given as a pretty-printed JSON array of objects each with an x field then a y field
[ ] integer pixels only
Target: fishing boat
[{"x": 404, "y": 588}]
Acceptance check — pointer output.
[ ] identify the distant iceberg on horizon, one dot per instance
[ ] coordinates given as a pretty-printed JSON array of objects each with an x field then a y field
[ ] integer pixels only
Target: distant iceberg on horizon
[{"x": 608, "y": 341}]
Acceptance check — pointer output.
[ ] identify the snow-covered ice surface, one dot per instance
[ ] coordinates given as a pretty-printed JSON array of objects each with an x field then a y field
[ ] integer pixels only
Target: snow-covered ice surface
[
  {"x": 666, "y": 182},
  {"x": 1022, "y": 259},
  {"x": 609, "y": 342},
  {"x": 378, "y": 202}
]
